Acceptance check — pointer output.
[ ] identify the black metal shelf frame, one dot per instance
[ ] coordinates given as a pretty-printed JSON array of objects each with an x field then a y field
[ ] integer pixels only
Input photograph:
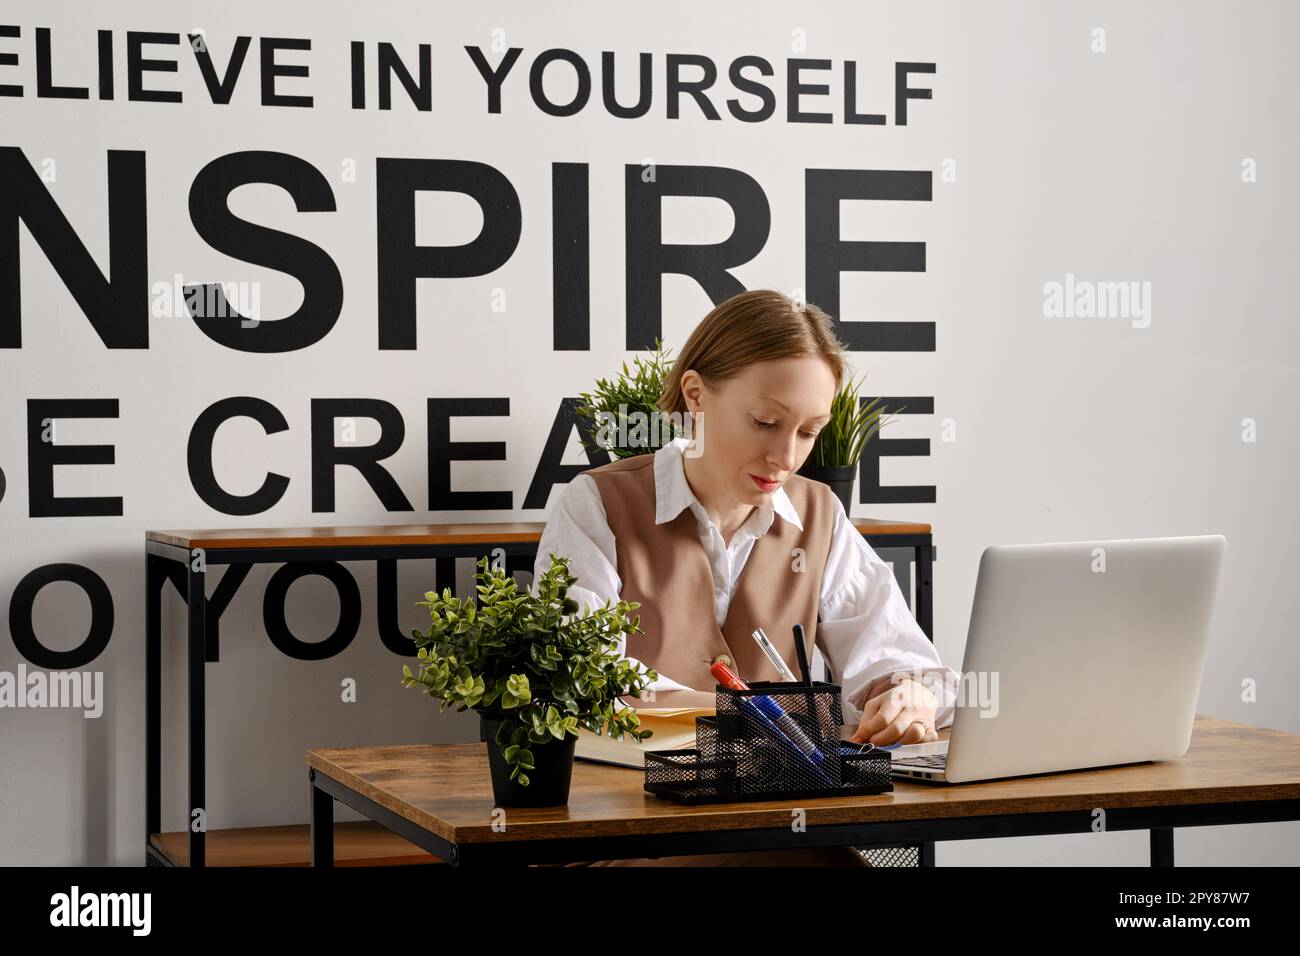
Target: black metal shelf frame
[{"x": 165, "y": 562}]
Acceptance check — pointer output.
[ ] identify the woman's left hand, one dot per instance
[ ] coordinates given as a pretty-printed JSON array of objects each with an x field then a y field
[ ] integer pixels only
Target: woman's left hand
[{"x": 890, "y": 716}]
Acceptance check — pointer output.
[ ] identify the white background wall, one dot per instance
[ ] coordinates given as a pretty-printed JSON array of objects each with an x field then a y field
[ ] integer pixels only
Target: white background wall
[{"x": 1120, "y": 166}]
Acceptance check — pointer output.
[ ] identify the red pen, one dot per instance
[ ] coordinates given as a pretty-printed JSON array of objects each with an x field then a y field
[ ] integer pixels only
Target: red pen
[
  {"x": 727, "y": 677},
  {"x": 767, "y": 712}
]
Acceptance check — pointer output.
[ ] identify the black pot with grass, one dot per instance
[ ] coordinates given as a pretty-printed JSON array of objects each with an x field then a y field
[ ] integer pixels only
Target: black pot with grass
[{"x": 838, "y": 449}]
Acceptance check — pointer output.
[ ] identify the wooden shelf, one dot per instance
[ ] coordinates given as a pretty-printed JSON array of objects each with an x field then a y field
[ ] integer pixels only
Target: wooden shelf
[
  {"x": 367, "y": 536},
  {"x": 356, "y": 843}
]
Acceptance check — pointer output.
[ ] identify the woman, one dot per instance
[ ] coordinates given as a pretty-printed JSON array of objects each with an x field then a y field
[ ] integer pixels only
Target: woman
[{"x": 674, "y": 531}]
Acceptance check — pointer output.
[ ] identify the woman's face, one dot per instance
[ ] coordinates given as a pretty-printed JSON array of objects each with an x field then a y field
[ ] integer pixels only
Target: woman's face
[{"x": 761, "y": 424}]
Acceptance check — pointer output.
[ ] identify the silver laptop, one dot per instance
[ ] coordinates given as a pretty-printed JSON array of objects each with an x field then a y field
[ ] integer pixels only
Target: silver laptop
[{"x": 1080, "y": 654}]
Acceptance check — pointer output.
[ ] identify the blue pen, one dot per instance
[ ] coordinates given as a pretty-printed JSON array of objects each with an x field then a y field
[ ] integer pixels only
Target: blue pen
[
  {"x": 790, "y": 727},
  {"x": 756, "y": 706},
  {"x": 752, "y": 707}
]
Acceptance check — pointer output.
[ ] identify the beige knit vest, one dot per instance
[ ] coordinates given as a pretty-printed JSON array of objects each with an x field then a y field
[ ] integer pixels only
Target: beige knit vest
[{"x": 664, "y": 567}]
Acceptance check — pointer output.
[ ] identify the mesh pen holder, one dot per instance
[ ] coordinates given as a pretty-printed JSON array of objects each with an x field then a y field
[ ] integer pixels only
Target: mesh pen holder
[{"x": 776, "y": 740}]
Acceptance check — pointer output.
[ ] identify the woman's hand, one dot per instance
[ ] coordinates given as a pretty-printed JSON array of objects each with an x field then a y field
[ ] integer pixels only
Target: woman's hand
[{"x": 888, "y": 717}]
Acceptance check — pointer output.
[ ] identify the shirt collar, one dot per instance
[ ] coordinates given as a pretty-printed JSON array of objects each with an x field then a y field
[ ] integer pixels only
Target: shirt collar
[{"x": 672, "y": 493}]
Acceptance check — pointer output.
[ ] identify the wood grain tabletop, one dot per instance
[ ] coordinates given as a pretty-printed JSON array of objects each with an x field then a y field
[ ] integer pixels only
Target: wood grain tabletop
[{"x": 446, "y": 789}]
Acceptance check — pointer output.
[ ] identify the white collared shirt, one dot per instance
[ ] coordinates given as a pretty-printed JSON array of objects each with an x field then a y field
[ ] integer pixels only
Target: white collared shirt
[{"x": 865, "y": 631}]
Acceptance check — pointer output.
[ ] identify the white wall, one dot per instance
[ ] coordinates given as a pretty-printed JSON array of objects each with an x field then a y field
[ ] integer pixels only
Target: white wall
[{"x": 1123, "y": 165}]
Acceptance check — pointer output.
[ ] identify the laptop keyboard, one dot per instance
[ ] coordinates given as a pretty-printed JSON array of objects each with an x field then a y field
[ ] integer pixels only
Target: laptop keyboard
[{"x": 938, "y": 761}]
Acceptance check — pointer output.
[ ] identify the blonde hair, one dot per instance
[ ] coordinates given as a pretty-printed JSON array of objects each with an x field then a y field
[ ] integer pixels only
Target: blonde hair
[{"x": 754, "y": 326}]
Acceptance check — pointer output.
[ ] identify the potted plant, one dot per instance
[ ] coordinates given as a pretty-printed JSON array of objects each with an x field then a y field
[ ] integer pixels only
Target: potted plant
[
  {"x": 624, "y": 413},
  {"x": 838, "y": 449},
  {"x": 534, "y": 671}
]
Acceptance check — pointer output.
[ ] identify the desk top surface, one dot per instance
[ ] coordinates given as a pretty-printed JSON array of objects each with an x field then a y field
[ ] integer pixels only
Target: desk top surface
[
  {"x": 446, "y": 788},
  {"x": 415, "y": 534}
]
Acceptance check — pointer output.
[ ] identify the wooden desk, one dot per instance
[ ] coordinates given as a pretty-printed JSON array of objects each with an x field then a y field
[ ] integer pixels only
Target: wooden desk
[
  {"x": 440, "y": 798},
  {"x": 183, "y": 557}
]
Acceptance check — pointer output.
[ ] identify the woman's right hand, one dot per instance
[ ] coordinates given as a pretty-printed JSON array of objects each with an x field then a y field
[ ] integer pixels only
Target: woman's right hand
[{"x": 891, "y": 716}]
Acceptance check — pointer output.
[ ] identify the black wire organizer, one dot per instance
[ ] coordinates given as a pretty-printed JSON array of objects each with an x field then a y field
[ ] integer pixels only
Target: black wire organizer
[{"x": 776, "y": 740}]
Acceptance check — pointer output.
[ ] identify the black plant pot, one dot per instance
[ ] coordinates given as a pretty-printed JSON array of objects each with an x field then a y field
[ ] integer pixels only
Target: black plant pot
[
  {"x": 839, "y": 477},
  {"x": 548, "y": 782}
]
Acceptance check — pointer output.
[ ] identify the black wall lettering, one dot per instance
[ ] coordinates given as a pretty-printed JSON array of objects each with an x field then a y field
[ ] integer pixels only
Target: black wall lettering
[
  {"x": 220, "y": 88},
  {"x": 494, "y": 77},
  {"x": 390, "y": 65},
  {"x": 443, "y": 451},
  {"x": 903, "y": 92},
  {"x": 10, "y": 59},
  {"x": 23, "y": 601},
  {"x": 549, "y": 471},
  {"x": 44, "y": 73},
  {"x": 326, "y": 455},
  {"x": 402, "y": 262},
  {"x": 271, "y": 70},
  {"x": 105, "y": 43},
  {"x": 538, "y": 90},
  {"x": 118, "y": 308},
  {"x": 826, "y": 255},
  {"x": 571, "y": 264},
  {"x": 390, "y": 631},
  {"x": 322, "y": 284},
  {"x": 199, "y": 456},
  {"x": 277, "y": 588},
  {"x": 796, "y": 88},
  {"x": 137, "y": 66},
  {"x": 43, "y": 455},
  {"x": 358, "y": 74},
  {"x": 677, "y": 86},
  {"x": 851, "y": 114},
  {"x": 216, "y": 605},
  {"x": 648, "y": 258},
  {"x": 746, "y": 85},
  {"x": 871, "y": 491},
  {"x": 645, "y": 86}
]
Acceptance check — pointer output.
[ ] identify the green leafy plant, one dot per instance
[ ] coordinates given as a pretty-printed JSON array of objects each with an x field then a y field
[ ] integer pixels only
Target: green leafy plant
[
  {"x": 852, "y": 424},
  {"x": 528, "y": 660},
  {"x": 629, "y": 407}
]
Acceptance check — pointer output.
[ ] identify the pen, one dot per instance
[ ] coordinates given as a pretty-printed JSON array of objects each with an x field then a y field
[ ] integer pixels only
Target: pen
[
  {"x": 789, "y": 726},
  {"x": 770, "y": 650},
  {"x": 802, "y": 650},
  {"x": 778, "y": 724},
  {"x": 803, "y": 653}
]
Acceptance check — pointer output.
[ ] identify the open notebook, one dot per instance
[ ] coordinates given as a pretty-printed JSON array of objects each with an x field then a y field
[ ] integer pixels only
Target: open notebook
[{"x": 674, "y": 729}]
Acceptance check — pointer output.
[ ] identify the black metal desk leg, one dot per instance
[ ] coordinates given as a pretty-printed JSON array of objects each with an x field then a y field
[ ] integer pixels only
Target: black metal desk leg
[
  {"x": 196, "y": 598},
  {"x": 154, "y": 579},
  {"x": 925, "y": 618},
  {"x": 1162, "y": 846},
  {"x": 924, "y": 591},
  {"x": 322, "y": 824}
]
